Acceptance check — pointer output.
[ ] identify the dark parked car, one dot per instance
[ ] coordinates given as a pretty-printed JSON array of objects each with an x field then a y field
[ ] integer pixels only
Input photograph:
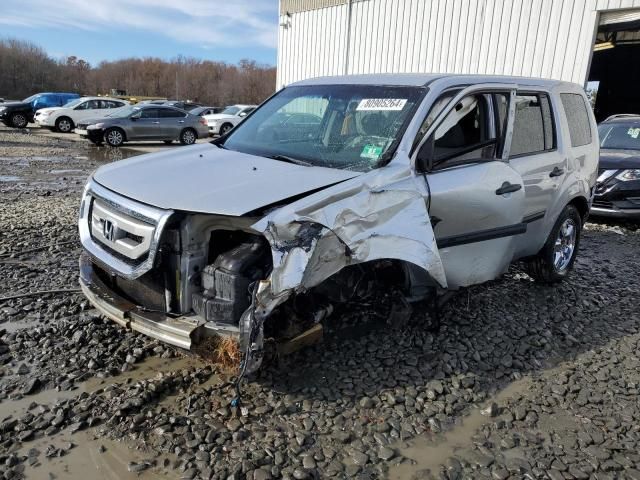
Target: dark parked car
[
  {"x": 19, "y": 114},
  {"x": 618, "y": 186},
  {"x": 144, "y": 122}
]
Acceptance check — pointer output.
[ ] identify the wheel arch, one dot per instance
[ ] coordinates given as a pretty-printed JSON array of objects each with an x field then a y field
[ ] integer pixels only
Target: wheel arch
[
  {"x": 582, "y": 205},
  {"x": 115, "y": 127}
]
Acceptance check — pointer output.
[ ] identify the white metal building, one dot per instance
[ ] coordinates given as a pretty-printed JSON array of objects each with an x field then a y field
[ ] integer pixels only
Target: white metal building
[{"x": 539, "y": 38}]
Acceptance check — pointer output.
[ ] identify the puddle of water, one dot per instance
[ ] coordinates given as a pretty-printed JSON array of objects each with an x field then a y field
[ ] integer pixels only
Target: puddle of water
[
  {"x": 85, "y": 460},
  {"x": 145, "y": 369},
  {"x": 70, "y": 170},
  {"x": 9, "y": 178},
  {"x": 429, "y": 452},
  {"x": 109, "y": 154}
]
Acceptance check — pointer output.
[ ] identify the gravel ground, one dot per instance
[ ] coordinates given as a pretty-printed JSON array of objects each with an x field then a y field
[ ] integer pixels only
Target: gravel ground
[{"x": 521, "y": 380}]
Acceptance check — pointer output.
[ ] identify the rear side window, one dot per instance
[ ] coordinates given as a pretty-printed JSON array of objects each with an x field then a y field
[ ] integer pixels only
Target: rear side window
[
  {"x": 577, "y": 115},
  {"x": 171, "y": 113},
  {"x": 532, "y": 125}
]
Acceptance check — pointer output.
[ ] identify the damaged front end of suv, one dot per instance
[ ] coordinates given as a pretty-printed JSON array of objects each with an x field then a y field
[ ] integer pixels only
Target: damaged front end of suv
[
  {"x": 222, "y": 239},
  {"x": 182, "y": 276}
]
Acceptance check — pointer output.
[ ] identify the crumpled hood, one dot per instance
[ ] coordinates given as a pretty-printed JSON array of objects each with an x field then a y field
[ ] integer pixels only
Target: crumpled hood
[
  {"x": 617, "y": 159},
  {"x": 207, "y": 179}
]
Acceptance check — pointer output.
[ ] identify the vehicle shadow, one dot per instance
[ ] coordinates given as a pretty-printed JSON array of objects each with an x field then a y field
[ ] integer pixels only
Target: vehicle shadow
[{"x": 489, "y": 335}]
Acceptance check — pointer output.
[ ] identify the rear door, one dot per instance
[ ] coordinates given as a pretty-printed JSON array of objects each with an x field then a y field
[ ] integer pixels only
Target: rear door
[
  {"x": 475, "y": 199},
  {"x": 172, "y": 121},
  {"x": 535, "y": 155}
]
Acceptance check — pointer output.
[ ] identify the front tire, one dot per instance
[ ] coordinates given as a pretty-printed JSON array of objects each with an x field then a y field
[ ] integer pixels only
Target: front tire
[
  {"x": 188, "y": 136},
  {"x": 224, "y": 129},
  {"x": 64, "y": 125},
  {"x": 19, "y": 120},
  {"x": 114, "y": 137},
  {"x": 555, "y": 261}
]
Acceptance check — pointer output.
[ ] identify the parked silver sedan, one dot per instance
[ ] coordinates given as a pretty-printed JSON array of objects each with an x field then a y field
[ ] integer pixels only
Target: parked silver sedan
[{"x": 144, "y": 122}]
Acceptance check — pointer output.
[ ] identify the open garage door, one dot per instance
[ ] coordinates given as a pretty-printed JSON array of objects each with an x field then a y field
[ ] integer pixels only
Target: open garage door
[{"x": 614, "y": 77}]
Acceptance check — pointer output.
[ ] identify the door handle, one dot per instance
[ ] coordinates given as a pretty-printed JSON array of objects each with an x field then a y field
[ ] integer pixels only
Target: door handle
[
  {"x": 156, "y": 123},
  {"x": 180, "y": 121},
  {"x": 556, "y": 172},
  {"x": 508, "y": 188}
]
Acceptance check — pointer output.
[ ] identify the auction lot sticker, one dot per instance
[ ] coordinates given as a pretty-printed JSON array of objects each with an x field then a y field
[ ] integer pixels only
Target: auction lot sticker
[{"x": 381, "y": 104}]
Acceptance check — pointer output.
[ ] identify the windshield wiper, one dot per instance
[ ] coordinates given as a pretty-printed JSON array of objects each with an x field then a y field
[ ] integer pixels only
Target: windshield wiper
[{"x": 285, "y": 158}]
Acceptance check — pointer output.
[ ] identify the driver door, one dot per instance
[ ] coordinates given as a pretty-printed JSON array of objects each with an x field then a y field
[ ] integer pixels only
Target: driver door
[{"x": 475, "y": 199}]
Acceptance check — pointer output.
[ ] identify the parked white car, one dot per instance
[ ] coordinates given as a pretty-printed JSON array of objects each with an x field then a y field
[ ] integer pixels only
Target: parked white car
[
  {"x": 221, "y": 123},
  {"x": 64, "y": 119}
]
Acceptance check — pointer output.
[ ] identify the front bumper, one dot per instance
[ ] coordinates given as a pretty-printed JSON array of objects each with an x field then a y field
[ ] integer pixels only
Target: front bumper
[
  {"x": 214, "y": 129},
  {"x": 46, "y": 122},
  {"x": 617, "y": 200},
  {"x": 181, "y": 331},
  {"x": 95, "y": 134}
]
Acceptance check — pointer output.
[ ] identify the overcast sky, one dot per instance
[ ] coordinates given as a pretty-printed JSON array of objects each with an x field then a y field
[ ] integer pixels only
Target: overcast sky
[{"x": 96, "y": 30}]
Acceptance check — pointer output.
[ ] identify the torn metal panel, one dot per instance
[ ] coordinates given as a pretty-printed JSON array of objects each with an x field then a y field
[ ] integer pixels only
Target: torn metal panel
[{"x": 360, "y": 221}]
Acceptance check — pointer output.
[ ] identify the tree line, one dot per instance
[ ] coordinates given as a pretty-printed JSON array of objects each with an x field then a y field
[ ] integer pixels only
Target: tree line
[{"x": 26, "y": 68}]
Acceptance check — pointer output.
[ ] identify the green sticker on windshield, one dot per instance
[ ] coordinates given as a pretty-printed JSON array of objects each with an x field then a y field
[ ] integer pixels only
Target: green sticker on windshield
[{"x": 371, "y": 151}]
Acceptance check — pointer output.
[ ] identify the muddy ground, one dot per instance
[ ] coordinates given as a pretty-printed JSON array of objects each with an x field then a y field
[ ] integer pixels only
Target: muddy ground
[{"x": 521, "y": 381}]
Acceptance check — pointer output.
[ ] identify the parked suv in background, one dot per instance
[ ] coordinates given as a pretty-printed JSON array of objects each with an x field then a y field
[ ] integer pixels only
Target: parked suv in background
[
  {"x": 221, "y": 123},
  {"x": 19, "y": 114},
  {"x": 144, "y": 122},
  {"x": 64, "y": 119},
  {"x": 411, "y": 183},
  {"x": 618, "y": 187}
]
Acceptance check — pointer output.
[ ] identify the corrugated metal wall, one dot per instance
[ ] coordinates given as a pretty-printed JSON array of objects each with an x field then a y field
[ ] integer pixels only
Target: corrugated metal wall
[{"x": 540, "y": 38}]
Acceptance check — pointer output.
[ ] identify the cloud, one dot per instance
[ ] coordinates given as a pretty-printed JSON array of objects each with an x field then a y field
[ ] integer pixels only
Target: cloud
[{"x": 202, "y": 23}]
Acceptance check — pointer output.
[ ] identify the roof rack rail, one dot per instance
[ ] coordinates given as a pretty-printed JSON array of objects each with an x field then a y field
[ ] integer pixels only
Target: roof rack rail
[{"x": 621, "y": 115}]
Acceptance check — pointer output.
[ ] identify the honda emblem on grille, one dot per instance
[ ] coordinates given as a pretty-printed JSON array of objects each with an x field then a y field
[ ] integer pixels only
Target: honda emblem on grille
[{"x": 108, "y": 230}]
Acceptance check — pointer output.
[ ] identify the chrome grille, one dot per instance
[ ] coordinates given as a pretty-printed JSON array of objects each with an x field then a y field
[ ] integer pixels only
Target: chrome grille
[{"x": 123, "y": 234}]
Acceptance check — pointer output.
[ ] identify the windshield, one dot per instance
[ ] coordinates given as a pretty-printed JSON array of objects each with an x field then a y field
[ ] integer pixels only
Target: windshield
[
  {"x": 124, "y": 112},
  {"x": 73, "y": 103},
  {"x": 624, "y": 136},
  {"x": 31, "y": 98},
  {"x": 352, "y": 127},
  {"x": 230, "y": 110}
]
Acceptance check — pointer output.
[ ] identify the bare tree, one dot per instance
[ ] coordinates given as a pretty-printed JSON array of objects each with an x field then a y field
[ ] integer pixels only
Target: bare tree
[{"x": 25, "y": 69}]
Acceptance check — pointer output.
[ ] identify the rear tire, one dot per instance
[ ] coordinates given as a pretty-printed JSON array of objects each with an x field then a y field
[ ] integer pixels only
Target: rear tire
[
  {"x": 555, "y": 261},
  {"x": 114, "y": 137},
  {"x": 18, "y": 120},
  {"x": 188, "y": 136},
  {"x": 64, "y": 125}
]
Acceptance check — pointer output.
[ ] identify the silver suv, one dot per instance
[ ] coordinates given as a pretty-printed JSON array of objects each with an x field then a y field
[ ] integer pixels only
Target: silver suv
[{"x": 341, "y": 188}]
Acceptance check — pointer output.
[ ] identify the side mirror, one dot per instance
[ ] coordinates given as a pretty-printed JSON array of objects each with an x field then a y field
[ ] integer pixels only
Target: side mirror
[
  {"x": 424, "y": 160},
  {"x": 243, "y": 114},
  {"x": 135, "y": 116}
]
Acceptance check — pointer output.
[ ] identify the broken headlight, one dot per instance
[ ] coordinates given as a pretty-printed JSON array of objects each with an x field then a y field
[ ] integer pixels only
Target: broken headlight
[{"x": 629, "y": 175}]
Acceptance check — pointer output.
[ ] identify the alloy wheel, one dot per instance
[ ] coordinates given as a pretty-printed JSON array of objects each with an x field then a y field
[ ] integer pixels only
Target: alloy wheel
[
  {"x": 64, "y": 126},
  {"x": 19, "y": 120},
  {"x": 565, "y": 245},
  {"x": 188, "y": 137},
  {"x": 114, "y": 137}
]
